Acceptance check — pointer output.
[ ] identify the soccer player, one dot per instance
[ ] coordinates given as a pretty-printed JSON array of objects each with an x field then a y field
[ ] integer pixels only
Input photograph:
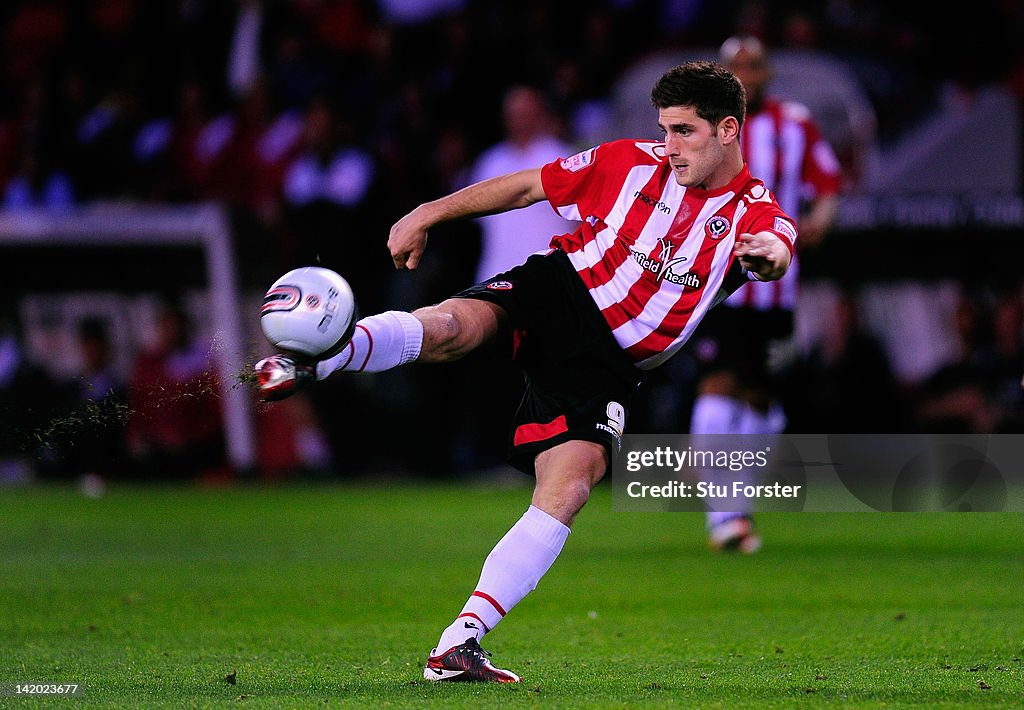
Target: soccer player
[
  {"x": 666, "y": 228},
  {"x": 746, "y": 347}
]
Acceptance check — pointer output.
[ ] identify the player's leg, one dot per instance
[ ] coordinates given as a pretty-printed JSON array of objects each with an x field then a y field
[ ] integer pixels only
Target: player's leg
[
  {"x": 438, "y": 333},
  {"x": 732, "y": 399},
  {"x": 719, "y": 409},
  {"x": 565, "y": 475}
]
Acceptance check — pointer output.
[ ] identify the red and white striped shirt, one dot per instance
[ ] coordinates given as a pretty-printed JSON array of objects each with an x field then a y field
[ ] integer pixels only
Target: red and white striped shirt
[
  {"x": 653, "y": 253},
  {"x": 784, "y": 148}
]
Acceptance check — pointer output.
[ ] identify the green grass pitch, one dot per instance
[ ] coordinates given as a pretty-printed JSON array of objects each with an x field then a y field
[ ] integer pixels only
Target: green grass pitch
[{"x": 333, "y": 595}]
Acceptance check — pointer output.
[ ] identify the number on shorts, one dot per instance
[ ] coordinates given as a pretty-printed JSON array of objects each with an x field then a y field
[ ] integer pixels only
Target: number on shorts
[{"x": 616, "y": 417}]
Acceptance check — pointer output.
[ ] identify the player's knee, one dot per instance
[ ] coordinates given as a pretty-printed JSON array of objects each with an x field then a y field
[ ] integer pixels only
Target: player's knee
[
  {"x": 565, "y": 476},
  {"x": 443, "y": 335},
  {"x": 577, "y": 493},
  {"x": 454, "y": 328},
  {"x": 450, "y": 336},
  {"x": 563, "y": 498}
]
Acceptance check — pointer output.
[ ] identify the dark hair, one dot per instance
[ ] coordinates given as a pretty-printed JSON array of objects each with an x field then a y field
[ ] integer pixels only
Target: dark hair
[{"x": 713, "y": 91}]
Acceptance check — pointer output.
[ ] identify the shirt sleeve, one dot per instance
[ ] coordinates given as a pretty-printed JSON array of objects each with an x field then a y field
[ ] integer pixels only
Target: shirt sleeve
[
  {"x": 821, "y": 169},
  {"x": 587, "y": 184},
  {"x": 769, "y": 217}
]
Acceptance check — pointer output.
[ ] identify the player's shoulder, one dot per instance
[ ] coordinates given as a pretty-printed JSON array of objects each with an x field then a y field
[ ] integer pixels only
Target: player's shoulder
[
  {"x": 616, "y": 154},
  {"x": 761, "y": 205},
  {"x": 754, "y": 192},
  {"x": 648, "y": 152}
]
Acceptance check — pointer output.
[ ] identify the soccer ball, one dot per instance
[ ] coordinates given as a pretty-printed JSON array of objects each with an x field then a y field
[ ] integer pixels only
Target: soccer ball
[{"x": 310, "y": 311}]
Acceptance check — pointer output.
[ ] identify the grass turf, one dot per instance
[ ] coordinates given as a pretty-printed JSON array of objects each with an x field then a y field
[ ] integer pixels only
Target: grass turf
[{"x": 333, "y": 595}]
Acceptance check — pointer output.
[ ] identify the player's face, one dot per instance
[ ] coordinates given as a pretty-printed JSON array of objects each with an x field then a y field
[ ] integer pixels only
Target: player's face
[{"x": 692, "y": 147}]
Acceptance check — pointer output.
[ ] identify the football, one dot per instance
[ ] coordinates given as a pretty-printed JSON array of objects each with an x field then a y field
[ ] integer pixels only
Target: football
[{"x": 310, "y": 311}]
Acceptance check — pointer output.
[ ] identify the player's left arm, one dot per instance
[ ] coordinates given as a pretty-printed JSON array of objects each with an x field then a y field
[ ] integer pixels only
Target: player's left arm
[
  {"x": 764, "y": 254},
  {"x": 822, "y": 173},
  {"x": 818, "y": 220}
]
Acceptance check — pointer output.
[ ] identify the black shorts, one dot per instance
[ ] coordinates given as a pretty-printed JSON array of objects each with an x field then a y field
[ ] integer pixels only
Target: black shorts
[
  {"x": 757, "y": 346},
  {"x": 579, "y": 382}
]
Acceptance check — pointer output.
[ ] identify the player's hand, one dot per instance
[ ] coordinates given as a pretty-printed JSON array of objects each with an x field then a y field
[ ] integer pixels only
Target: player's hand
[
  {"x": 764, "y": 254},
  {"x": 407, "y": 240}
]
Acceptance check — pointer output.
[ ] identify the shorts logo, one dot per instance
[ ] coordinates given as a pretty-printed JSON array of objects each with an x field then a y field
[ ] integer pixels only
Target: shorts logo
[
  {"x": 579, "y": 161},
  {"x": 312, "y": 301},
  {"x": 500, "y": 286},
  {"x": 281, "y": 298},
  {"x": 717, "y": 227},
  {"x": 616, "y": 414}
]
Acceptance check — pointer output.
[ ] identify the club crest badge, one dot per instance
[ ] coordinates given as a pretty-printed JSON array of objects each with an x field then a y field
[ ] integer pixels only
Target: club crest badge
[{"x": 717, "y": 226}]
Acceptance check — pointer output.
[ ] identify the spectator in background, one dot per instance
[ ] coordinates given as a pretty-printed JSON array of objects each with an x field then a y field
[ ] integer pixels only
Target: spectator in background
[
  {"x": 291, "y": 442},
  {"x": 953, "y": 399},
  {"x": 451, "y": 441},
  {"x": 1008, "y": 346},
  {"x": 95, "y": 451},
  {"x": 174, "y": 431},
  {"x": 245, "y": 150},
  {"x": 330, "y": 167},
  {"x": 32, "y": 167},
  {"x": 295, "y": 70},
  {"x": 530, "y": 140},
  {"x": 747, "y": 347},
  {"x": 35, "y": 186},
  {"x": 99, "y": 379},
  {"x": 106, "y": 142},
  {"x": 166, "y": 147},
  {"x": 979, "y": 392},
  {"x": 244, "y": 65},
  {"x": 325, "y": 188},
  {"x": 249, "y": 170},
  {"x": 847, "y": 385},
  {"x": 28, "y": 398}
]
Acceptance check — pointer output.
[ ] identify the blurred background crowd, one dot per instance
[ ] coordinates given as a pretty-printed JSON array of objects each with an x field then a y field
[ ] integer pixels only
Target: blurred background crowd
[{"x": 318, "y": 123}]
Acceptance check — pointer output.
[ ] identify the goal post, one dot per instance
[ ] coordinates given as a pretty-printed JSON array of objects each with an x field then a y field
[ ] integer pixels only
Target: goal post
[{"x": 205, "y": 227}]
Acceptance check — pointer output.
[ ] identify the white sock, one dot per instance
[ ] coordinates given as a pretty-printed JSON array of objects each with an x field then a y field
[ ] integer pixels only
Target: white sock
[
  {"x": 718, "y": 414},
  {"x": 717, "y": 517},
  {"x": 771, "y": 422},
  {"x": 510, "y": 572},
  {"x": 379, "y": 343}
]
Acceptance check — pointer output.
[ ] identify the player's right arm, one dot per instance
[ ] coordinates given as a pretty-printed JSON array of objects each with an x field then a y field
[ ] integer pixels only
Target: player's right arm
[
  {"x": 818, "y": 220},
  {"x": 408, "y": 236}
]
